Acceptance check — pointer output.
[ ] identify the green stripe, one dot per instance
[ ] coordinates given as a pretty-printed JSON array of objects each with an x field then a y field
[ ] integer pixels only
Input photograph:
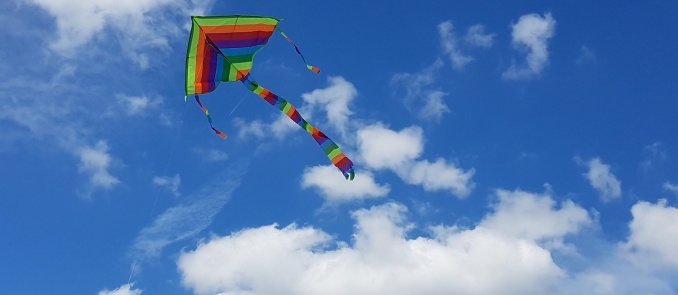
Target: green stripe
[
  {"x": 191, "y": 53},
  {"x": 233, "y": 19},
  {"x": 285, "y": 106},
  {"x": 332, "y": 151}
]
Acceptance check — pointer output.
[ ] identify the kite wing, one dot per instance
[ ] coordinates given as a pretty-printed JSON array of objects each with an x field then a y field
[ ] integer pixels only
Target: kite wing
[{"x": 222, "y": 49}]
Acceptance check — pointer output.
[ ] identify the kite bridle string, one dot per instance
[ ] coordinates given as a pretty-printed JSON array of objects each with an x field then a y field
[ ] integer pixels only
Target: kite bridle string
[{"x": 157, "y": 195}]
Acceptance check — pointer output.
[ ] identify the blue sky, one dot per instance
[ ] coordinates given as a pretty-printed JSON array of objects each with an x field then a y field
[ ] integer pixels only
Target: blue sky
[{"x": 500, "y": 149}]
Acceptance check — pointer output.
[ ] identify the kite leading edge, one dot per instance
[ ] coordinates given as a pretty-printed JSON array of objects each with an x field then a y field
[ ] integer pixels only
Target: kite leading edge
[{"x": 222, "y": 49}]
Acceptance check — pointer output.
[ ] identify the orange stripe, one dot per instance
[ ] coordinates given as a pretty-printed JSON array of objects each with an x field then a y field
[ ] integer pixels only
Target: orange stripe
[
  {"x": 264, "y": 93},
  {"x": 200, "y": 50},
  {"x": 291, "y": 111}
]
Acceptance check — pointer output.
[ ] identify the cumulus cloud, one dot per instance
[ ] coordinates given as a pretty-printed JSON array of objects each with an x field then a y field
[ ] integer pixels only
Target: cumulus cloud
[
  {"x": 122, "y": 290},
  {"x": 383, "y": 148},
  {"x": 381, "y": 259},
  {"x": 535, "y": 216},
  {"x": 531, "y": 33},
  {"x": 653, "y": 238},
  {"x": 95, "y": 162},
  {"x": 398, "y": 151},
  {"x": 427, "y": 104},
  {"x": 438, "y": 176},
  {"x": 332, "y": 185},
  {"x": 450, "y": 44},
  {"x": 334, "y": 100},
  {"x": 602, "y": 180},
  {"x": 172, "y": 183}
]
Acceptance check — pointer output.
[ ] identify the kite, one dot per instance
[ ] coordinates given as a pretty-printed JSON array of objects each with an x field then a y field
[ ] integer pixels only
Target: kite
[{"x": 222, "y": 49}]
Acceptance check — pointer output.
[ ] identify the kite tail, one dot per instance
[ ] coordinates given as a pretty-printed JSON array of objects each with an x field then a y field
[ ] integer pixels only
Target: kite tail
[
  {"x": 310, "y": 67},
  {"x": 209, "y": 119},
  {"x": 330, "y": 148}
]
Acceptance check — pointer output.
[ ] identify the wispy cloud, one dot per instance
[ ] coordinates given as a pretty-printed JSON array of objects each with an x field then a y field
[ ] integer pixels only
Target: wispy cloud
[
  {"x": 420, "y": 98},
  {"x": 95, "y": 162},
  {"x": 450, "y": 44},
  {"x": 586, "y": 55},
  {"x": 122, "y": 290},
  {"x": 139, "y": 25},
  {"x": 601, "y": 179},
  {"x": 171, "y": 183},
  {"x": 654, "y": 154},
  {"x": 476, "y": 36},
  {"x": 531, "y": 33},
  {"x": 191, "y": 216},
  {"x": 671, "y": 188}
]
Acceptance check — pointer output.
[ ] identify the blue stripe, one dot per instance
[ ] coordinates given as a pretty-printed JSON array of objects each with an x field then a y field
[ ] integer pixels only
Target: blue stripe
[
  {"x": 220, "y": 69},
  {"x": 241, "y": 50}
]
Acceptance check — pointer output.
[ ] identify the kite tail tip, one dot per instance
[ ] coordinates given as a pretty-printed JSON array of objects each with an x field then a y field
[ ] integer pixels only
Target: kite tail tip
[
  {"x": 313, "y": 69},
  {"x": 221, "y": 134},
  {"x": 349, "y": 174}
]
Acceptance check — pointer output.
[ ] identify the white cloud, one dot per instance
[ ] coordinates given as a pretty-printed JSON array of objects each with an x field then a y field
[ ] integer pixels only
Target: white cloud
[
  {"x": 380, "y": 260},
  {"x": 449, "y": 42},
  {"x": 671, "y": 188},
  {"x": 438, "y": 176},
  {"x": 333, "y": 187},
  {"x": 600, "y": 177},
  {"x": 122, "y": 290},
  {"x": 531, "y": 33},
  {"x": 95, "y": 161},
  {"x": 426, "y": 104},
  {"x": 653, "y": 240},
  {"x": 383, "y": 148},
  {"x": 137, "y": 24},
  {"x": 334, "y": 100},
  {"x": 476, "y": 36},
  {"x": 535, "y": 216},
  {"x": 172, "y": 183}
]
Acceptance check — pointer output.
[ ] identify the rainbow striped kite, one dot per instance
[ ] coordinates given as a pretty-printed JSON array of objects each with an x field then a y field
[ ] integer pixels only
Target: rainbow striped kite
[{"x": 222, "y": 49}]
